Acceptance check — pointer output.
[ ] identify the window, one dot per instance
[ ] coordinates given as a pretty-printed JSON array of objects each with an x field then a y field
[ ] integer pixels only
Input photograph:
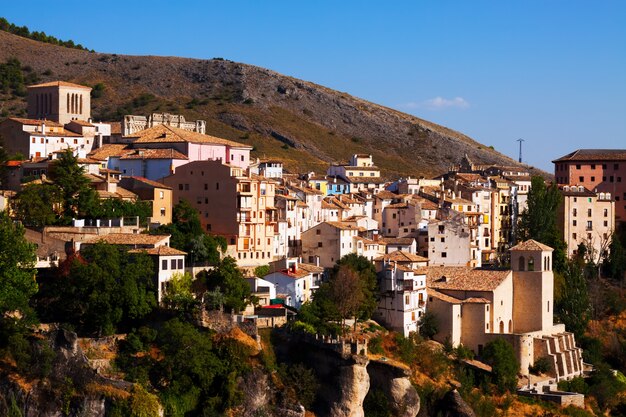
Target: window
[
  {"x": 574, "y": 222},
  {"x": 606, "y": 223},
  {"x": 217, "y": 185},
  {"x": 161, "y": 195},
  {"x": 180, "y": 264},
  {"x": 603, "y": 166},
  {"x": 593, "y": 166},
  {"x": 589, "y": 225},
  {"x": 588, "y": 212},
  {"x": 164, "y": 265},
  {"x": 577, "y": 166},
  {"x": 606, "y": 212},
  {"x": 33, "y": 140},
  {"x": 186, "y": 187},
  {"x": 611, "y": 179},
  {"x": 615, "y": 166},
  {"x": 162, "y": 211},
  {"x": 581, "y": 179},
  {"x": 443, "y": 240},
  {"x": 242, "y": 157},
  {"x": 407, "y": 299},
  {"x": 75, "y": 141},
  {"x": 173, "y": 264},
  {"x": 318, "y": 231},
  {"x": 574, "y": 236},
  {"x": 444, "y": 254},
  {"x": 593, "y": 178},
  {"x": 319, "y": 244},
  {"x": 574, "y": 212},
  {"x": 206, "y": 186},
  {"x": 180, "y": 187}
]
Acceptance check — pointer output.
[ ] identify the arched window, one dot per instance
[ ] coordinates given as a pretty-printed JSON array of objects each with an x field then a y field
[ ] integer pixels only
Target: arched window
[
  {"x": 501, "y": 326},
  {"x": 510, "y": 326},
  {"x": 548, "y": 263},
  {"x": 531, "y": 264},
  {"x": 81, "y": 104},
  {"x": 67, "y": 107},
  {"x": 522, "y": 261}
]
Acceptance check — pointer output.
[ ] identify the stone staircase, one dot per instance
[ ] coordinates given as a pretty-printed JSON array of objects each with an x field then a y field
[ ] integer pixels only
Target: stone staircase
[{"x": 566, "y": 358}]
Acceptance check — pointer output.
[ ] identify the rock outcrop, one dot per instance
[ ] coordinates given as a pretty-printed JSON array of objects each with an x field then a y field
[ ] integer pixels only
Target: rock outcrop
[
  {"x": 453, "y": 405},
  {"x": 63, "y": 392},
  {"x": 394, "y": 382}
]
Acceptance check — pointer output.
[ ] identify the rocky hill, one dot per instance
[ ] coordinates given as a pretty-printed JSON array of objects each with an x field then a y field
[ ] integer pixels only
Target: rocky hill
[{"x": 305, "y": 124}]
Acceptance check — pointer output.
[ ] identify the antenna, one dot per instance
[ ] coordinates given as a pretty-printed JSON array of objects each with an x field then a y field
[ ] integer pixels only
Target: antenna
[{"x": 520, "y": 140}]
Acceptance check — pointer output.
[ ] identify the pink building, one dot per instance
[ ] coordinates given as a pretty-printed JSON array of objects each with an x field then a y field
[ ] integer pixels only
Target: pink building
[{"x": 601, "y": 170}]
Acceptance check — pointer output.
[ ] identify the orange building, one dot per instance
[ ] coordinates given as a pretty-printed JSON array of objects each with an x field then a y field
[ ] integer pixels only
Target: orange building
[{"x": 232, "y": 203}]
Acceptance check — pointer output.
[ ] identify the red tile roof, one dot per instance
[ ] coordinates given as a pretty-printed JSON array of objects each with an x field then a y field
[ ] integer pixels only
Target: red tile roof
[
  {"x": 35, "y": 122},
  {"x": 463, "y": 278},
  {"x": 168, "y": 134},
  {"x": 594, "y": 155}
]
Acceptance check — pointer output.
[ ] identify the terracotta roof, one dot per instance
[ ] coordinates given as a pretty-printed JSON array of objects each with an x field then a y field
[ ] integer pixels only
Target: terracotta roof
[
  {"x": 13, "y": 163},
  {"x": 88, "y": 161},
  {"x": 344, "y": 226},
  {"x": 443, "y": 297},
  {"x": 121, "y": 193},
  {"x": 314, "y": 269},
  {"x": 401, "y": 256},
  {"x": 160, "y": 251},
  {"x": 169, "y": 153},
  {"x": 386, "y": 195},
  {"x": 463, "y": 278},
  {"x": 398, "y": 240},
  {"x": 531, "y": 245},
  {"x": 165, "y": 133},
  {"x": 108, "y": 150},
  {"x": 594, "y": 155},
  {"x": 59, "y": 84},
  {"x": 129, "y": 239},
  {"x": 81, "y": 123},
  {"x": 35, "y": 122},
  {"x": 398, "y": 206},
  {"x": 151, "y": 183}
]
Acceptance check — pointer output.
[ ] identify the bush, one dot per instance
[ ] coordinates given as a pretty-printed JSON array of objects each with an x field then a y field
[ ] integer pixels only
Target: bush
[
  {"x": 375, "y": 346},
  {"x": 429, "y": 325},
  {"x": 302, "y": 381},
  {"x": 541, "y": 366},
  {"x": 376, "y": 404},
  {"x": 500, "y": 355}
]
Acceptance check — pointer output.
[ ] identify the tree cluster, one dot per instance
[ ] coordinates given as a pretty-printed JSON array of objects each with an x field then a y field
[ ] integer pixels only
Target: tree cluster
[
  {"x": 351, "y": 292},
  {"x": 68, "y": 195},
  {"x": 100, "y": 289},
  {"x": 187, "y": 235},
  {"x": 24, "y": 32}
]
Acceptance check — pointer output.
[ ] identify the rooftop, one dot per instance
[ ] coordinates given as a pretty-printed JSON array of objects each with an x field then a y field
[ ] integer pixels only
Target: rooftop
[
  {"x": 108, "y": 150},
  {"x": 35, "y": 122},
  {"x": 169, "y": 153},
  {"x": 168, "y": 134},
  {"x": 531, "y": 245},
  {"x": 594, "y": 155},
  {"x": 59, "y": 84},
  {"x": 462, "y": 278},
  {"x": 401, "y": 256},
  {"x": 160, "y": 251},
  {"x": 129, "y": 239}
]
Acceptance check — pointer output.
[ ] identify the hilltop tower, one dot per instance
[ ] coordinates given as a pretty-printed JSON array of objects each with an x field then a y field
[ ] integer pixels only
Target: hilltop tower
[
  {"x": 59, "y": 101},
  {"x": 533, "y": 287}
]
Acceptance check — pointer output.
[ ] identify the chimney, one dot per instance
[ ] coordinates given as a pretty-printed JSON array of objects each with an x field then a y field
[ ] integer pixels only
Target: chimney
[{"x": 43, "y": 127}]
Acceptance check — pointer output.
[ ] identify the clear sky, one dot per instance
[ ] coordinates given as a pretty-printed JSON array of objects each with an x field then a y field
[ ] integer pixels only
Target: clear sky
[{"x": 550, "y": 72}]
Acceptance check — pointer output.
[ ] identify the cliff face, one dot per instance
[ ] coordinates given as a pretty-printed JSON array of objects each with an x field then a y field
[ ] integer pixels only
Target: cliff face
[
  {"x": 305, "y": 124},
  {"x": 63, "y": 392},
  {"x": 345, "y": 380}
]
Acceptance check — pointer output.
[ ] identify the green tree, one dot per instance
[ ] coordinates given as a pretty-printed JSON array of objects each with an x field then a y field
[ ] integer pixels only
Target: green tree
[
  {"x": 346, "y": 294},
  {"x": 104, "y": 287},
  {"x": 500, "y": 355},
  {"x": 36, "y": 203},
  {"x": 538, "y": 220},
  {"x": 17, "y": 273},
  {"x": 615, "y": 263},
  {"x": 179, "y": 296},
  {"x": 429, "y": 325},
  {"x": 79, "y": 199},
  {"x": 573, "y": 306},
  {"x": 261, "y": 271},
  {"x": 229, "y": 279},
  {"x": 187, "y": 235},
  {"x": 368, "y": 283}
]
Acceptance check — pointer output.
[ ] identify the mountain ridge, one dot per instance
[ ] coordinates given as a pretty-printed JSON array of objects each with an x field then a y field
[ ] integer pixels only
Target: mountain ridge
[{"x": 305, "y": 124}]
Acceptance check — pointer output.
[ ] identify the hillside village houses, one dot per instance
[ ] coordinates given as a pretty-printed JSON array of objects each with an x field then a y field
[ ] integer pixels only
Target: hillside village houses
[{"x": 433, "y": 241}]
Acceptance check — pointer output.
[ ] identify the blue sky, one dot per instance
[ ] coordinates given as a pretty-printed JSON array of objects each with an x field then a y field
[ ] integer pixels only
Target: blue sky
[{"x": 550, "y": 72}]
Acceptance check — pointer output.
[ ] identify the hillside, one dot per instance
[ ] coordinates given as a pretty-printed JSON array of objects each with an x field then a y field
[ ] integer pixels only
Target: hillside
[{"x": 305, "y": 124}]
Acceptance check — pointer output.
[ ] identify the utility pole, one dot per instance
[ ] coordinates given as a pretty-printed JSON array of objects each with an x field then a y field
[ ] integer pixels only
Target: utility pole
[{"x": 520, "y": 140}]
